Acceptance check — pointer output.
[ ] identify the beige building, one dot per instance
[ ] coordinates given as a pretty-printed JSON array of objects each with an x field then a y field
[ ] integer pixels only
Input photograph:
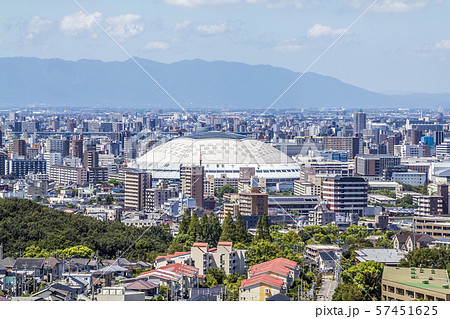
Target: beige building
[
  {"x": 135, "y": 185},
  {"x": 267, "y": 279},
  {"x": 192, "y": 182},
  {"x": 306, "y": 188},
  {"x": 232, "y": 261},
  {"x": 214, "y": 183},
  {"x": 436, "y": 226},
  {"x": 253, "y": 203},
  {"x": 407, "y": 284}
]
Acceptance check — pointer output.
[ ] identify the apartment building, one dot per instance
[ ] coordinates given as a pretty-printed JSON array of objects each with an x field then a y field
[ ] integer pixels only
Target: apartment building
[
  {"x": 346, "y": 196},
  {"x": 350, "y": 144},
  {"x": 434, "y": 205},
  {"x": 135, "y": 185},
  {"x": 68, "y": 174},
  {"x": 231, "y": 261},
  {"x": 408, "y": 284},
  {"x": 435, "y": 226},
  {"x": 156, "y": 197},
  {"x": 306, "y": 188},
  {"x": 253, "y": 203},
  {"x": 192, "y": 182},
  {"x": 214, "y": 183},
  {"x": 23, "y": 167}
]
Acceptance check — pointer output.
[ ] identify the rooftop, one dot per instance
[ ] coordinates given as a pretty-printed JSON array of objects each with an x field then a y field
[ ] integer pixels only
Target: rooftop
[{"x": 403, "y": 276}]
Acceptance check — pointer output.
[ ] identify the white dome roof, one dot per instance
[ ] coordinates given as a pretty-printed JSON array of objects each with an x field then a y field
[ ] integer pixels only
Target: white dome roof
[{"x": 220, "y": 153}]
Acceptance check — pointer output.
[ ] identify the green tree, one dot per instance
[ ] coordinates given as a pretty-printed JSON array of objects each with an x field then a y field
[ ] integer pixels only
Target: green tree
[
  {"x": 36, "y": 252},
  {"x": 114, "y": 182},
  {"x": 367, "y": 277},
  {"x": 228, "y": 229},
  {"x": 215, "y": 277},
  {"x": 185, "y": 222},
  {"x": 109, "y": 200},
  {"x": 242, "y": 236},
  {"x": 384, "y": 242},
  {"x": 265, "y": 250},
  {"x": 225, "y": 189},
  {"x": 194, "y": 229},
  {"x": 232, "y": 284},
  {"x": 348, "y": 292},
  {"x": 262, "y": 229},
  {"x": 79, "y": 251},
  {"x": 216, "y": 230},
  {"x": 205, "y": 228}
]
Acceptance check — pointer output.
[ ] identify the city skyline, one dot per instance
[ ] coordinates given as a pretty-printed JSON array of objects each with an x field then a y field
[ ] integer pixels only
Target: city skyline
[{"x": 394, "y": 42}]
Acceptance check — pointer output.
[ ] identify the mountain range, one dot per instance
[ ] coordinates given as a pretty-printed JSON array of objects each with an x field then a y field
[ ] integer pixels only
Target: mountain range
[{"x": 192, "y": 83}]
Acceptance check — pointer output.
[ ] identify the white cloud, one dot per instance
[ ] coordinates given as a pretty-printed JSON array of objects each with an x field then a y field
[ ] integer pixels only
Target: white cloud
[
  {"x": 182, "y": 25},
  {"x": 442, "y": 45},
  {"x": 394, "y": 5},
  {"x": 287, "y": 46},
  {"x": 320, "y": 30},
  {"x": 124, "y": 26},
  {"x": 36, "y": 26},
  {"x": 157, "y": 45},
  {"x": 295, "y": 4},
  {"x": 80, "y": 23},
  {"x": 212, "y": 29},
  {"x": 193, "y": 3}
]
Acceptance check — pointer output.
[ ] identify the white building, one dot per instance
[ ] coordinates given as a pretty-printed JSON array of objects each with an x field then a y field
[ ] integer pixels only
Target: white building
[{"x": 410, "y": 178}]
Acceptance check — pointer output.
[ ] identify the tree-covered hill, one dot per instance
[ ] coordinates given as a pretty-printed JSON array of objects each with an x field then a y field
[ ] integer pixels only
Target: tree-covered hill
[{"x": 24, "y": 223}]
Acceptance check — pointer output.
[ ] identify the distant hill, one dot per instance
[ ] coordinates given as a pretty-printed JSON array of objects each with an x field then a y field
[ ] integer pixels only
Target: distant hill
[{"x": 194, "y": 83}]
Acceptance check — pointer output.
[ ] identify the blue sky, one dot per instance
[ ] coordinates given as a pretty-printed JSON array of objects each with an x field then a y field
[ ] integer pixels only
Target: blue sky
[{"x": 399, "y": 46}]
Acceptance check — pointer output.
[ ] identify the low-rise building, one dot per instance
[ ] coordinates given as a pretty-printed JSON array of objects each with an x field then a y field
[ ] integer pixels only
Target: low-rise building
[
  {"x": 407, "y": 284},
  {"x": 388, "y": 257}
]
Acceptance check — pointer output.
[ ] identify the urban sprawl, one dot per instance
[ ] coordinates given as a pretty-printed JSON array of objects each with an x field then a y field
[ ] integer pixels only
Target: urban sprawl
[{"x": 296, "y": 205}]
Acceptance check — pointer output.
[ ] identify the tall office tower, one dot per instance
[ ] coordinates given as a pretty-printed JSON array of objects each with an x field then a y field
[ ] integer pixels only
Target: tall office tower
[
  {"x": 359, "y": 122},
  {"x": 347, "y": 196},
  {"x": 90, "y": 159},
  {"x": 192, "y": 182},
  {"x": 20, "y": 147},
  {"x": 438, "y": 137},
  {"x": 77, "y": 147},
  {"x": 135, "y": 185}
]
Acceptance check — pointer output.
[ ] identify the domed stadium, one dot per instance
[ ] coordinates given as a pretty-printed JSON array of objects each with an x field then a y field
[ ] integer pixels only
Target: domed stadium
[{"x": 220, "y": 153}]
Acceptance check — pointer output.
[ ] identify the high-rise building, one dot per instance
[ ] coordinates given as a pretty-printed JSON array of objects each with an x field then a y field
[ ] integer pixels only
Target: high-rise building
[
  {"x": 438, "y": 137},
  {"x": 20, "y": 147},
  {"x": 90, "y": 159},
  {"x": 77, "y": 147},
  {"x": 346, "y": 196},
  {"x": 135, "y": 185},
  {"x": 192, "y": 182},
  {"x": 359, "y": 122}
]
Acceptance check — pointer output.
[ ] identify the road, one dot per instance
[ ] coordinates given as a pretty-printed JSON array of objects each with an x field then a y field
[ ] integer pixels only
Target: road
[{"x": 327, "y": 289}]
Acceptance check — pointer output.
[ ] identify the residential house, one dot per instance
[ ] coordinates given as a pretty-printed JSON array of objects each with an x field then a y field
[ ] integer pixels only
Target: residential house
[
  {"x": 268, "y": 278},
  {"x": 260, "y": 287},
  {"x": 180, "y": 278},
  {"x": 327, "y": 261},
  {"x": 148, "y": 288},
  {"x": 411, "y": 241}
]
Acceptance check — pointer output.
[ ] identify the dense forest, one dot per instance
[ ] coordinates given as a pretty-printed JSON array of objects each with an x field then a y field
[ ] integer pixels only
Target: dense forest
[{"x": 24, "y": 223}]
